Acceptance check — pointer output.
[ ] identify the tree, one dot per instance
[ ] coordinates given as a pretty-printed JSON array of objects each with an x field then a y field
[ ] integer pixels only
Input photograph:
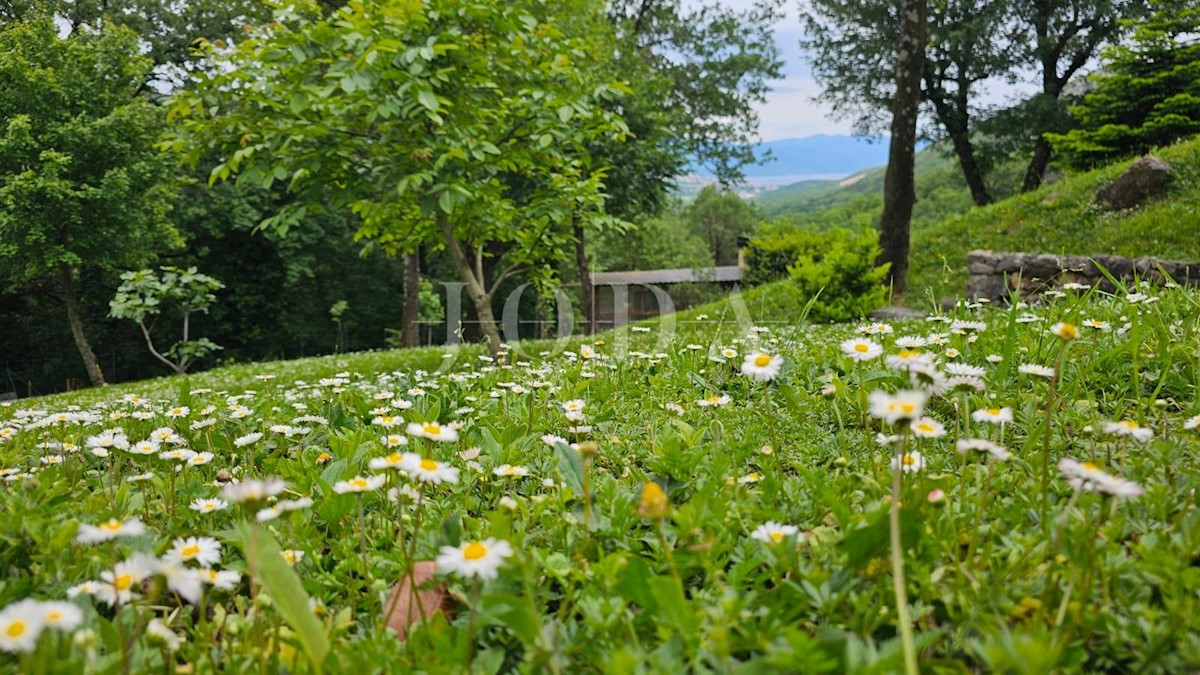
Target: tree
[
  {"x": 1147, "y": 94},
  {"x": 82, "y": 189},
  {"x": 457, "y": 124},
  {"x": 695, "y": 75},
  {"x": 1063, "y": 37},
  {"x": 720, "y": 216},
  {"x": 146, "y": 293},
  {"x": 853, "y": 45},
  {"x": 899, "y": 191}
]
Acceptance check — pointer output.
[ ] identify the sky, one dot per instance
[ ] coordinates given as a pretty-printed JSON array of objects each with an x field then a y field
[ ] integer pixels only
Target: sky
[{"x": 790, "y": 112}]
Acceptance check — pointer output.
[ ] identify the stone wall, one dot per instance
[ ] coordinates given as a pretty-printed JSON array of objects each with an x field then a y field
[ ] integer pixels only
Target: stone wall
[{"x": 995, "y": 275}]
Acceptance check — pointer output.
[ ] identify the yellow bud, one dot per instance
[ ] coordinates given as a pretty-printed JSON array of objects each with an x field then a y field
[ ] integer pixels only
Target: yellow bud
[{"x": 654, "y": 504}]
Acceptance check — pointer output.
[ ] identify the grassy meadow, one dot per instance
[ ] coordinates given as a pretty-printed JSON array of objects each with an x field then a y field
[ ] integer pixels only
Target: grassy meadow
[{"x": 709, "y": 493}]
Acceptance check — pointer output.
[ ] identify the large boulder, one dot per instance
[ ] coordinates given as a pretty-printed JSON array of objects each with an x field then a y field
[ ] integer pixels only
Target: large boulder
[{"x": 1146, "y": 178}]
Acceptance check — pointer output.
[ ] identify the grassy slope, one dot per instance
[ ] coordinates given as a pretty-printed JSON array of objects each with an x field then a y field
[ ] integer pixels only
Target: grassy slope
[
  {"x": 1063, "y": 218},
  {"x": 862, "y": 191},
  {"x": 1058, "y": 218}
]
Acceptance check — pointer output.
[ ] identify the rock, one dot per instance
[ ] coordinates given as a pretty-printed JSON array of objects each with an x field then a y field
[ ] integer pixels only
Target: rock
[
  {"x": 407, "y": 608},
  {"x": 1146, "y": 178},
  {"x": 893, "y": 313}
]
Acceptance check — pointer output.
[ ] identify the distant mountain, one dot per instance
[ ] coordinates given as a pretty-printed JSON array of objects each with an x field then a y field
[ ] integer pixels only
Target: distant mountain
[{"x": 820, "y": 155}]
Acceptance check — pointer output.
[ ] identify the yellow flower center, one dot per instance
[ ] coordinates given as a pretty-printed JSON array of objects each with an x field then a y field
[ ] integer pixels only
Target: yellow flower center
[
  {"x": 190, "y": 551},
  {"x": 861, "y": 348},
  {"x": 474, "y": 551},
  {"x": 1089, "y": 466},
  {"x": 429, "y": 464},
  {"x": 908, "y": 460},
  {"x": 908, "y": 354},
  {"x": 993, "y": 411},
  {"x": 212, "y": 575},
  {"x": 1129, "y": 425},
  {"x": 1067, "y": 331},
  {"x": 16, "y": 629},
  {"x": 290, "y": 557},
  {"x": 113, "y": 525},
  {"x": 762, "y": 360},
  {"x": 123, "y": 582},
  {"x": 359, "y": 483},
  {"x": 776, "y": 536},
  {"x": 387, "y": 419},
  {"x": 394, "y": 458},
  {"x": 712, "y": 399},
  {"x": 907, "y": 408},
  {"x": 432, "y": 429},
  {"x": 925, "y": 427},
  {"x": 54, "y": 615}
]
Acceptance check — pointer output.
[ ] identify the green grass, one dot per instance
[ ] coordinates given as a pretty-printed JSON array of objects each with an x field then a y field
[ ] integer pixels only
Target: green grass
[
  {"x": 1063, "y": 218},
  {"x": 1012, "y": 570},
  {"x": 1060, "y": 218}
]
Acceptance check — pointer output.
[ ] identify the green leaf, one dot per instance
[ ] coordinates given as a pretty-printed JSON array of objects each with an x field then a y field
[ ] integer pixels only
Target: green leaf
[
  {"x": 515, "y": 613},
  {"x": 427, "y": 99},
  {"x": 282, "y": 583},
  {"x": 873, "y": 541}
]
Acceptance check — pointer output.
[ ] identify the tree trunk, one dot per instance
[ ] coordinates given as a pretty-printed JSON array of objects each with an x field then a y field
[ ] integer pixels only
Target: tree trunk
[
  {"x": 412, "y": 300},
  {"x": 76, "y": 321},
  {"x": 970, "y": 168},
  {"x": 587, "y": 291},
  {"x": 1037, "y": 165},
  {"x": 899, "y": 192},
  {"x": 475, "y": 289}
]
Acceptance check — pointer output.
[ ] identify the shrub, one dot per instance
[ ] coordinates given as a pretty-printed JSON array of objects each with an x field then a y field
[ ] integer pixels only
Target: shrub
[
  {"x": 768, "y": 258},
  {"x": 842, "y": 270}
]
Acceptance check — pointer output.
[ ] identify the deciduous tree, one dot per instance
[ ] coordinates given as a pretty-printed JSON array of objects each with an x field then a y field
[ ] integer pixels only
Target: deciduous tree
[
  {"x": 457, "y": 124},
  {"x": 82, "y": 189}
]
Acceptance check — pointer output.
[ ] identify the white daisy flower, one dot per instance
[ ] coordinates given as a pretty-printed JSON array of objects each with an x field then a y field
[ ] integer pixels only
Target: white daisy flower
[
  {"x": 429, "y": 470},
  {"x": 967, "y": 445},
  {"x": 208, "y": 505},
  {"x": 109, "y": 529},
  {"x": 927, "y": 427},
  {"x": 762, "y": 366},
  {"x": 359, "y": 484},
  {"x": 20, "y": 625},
  {"x": 1129, "y": 428},
  {"x": 993, "y": 415},
  {"x": 772, "y": 532},
  {"x": 480, "y": 559},
  {"x": 253, "y": 490},
  {"x": 433, "y": 431},
  {"x": 511, "y": 471},
  {"x": 893, "y": 408},
  {"x": 859, "y": 349},
  {"x": 909, "y": 462},
  {"x": 204, "y": 550}
]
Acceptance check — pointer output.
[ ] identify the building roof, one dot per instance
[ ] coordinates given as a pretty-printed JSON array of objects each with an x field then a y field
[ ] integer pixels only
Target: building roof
[{"x": 725, "y": 274}]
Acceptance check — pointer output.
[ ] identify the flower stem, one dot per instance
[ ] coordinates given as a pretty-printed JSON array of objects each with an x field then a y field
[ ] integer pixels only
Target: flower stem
[{"x": 903, "y": 619}]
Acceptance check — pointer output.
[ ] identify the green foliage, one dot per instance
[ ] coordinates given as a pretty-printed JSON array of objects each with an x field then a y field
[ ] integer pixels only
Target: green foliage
[
  {"x": 1061, "y": 218},
  {"x": 146, "y": 294},
  {"x": 81, "y": 185},
  {"x": 720, "y": 216},
  {"x": 280, "y": 581},
  {"x": 769, "y": 257},
  {"x": 431, "y": 303},
  {"x": 1147, "y": 94},
  {"x": 840, "y": 273},
  {"x": 664, "y": 242}
]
